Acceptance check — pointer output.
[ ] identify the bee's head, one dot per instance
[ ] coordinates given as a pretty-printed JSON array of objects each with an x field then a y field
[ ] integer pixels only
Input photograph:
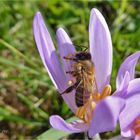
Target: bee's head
[{"x": 83, "y": 56}]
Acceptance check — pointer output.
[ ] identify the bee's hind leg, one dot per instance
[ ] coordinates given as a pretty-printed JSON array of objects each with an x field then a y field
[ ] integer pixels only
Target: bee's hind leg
[{"x": 71, "y": 88}]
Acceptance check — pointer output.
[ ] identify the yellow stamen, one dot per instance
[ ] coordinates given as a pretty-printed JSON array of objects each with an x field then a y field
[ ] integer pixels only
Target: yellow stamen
[
  {"x": 89, "y": 113},
  {"x": 86, "y": 111},
  {"x": 136, "y": 127},
  {"x": 81, "y": 111},
  {"x": 106, "y": 91},
  {"x": 137, "y": 131},
  {"x": 87, "y": 117},
  {"x": 137, "y": 122}
]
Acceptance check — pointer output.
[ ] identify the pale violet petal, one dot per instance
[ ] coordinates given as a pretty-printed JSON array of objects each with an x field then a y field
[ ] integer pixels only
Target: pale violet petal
[
  {"x": 49, "y": 57},
  {"x": 105, "y": 115},
  {"x": 128, "y": 65},
  {"x": 127, "y": 133},
  {"x": 100, "y": 48},
  {"x": 130, "y": 112},
  {"x": 134, "y": 87},
  {"x": 47, "y": 52},
  {"x": 66, "y": 47},
  {"x": 74, "y": 127},
  {"x": 122, "y": 89}
]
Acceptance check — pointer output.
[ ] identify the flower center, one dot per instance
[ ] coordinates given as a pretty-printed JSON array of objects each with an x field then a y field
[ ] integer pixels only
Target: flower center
[
  {"x": 137, "y": 127},
  {"x": 87, "y": 110}
]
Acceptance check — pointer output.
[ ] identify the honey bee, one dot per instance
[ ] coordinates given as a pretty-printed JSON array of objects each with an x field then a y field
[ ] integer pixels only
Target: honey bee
[{"x": 84, "y": 73}]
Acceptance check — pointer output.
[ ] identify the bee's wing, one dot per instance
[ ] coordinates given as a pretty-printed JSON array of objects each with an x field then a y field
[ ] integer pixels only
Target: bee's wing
[{"x": 89, "y": 84}]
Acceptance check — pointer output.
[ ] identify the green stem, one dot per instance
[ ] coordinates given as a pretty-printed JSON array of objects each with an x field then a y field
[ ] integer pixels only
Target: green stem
[{"x": 96, "y": 137}]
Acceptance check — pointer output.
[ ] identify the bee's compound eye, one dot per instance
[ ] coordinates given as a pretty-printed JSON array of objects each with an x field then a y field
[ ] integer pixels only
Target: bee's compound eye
[{"x": 83, "y": 56}]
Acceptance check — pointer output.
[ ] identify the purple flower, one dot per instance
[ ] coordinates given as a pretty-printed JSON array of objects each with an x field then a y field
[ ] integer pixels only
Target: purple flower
[
  {"x": 129, "y": 89},
  {"x": 102, "y": 114}
]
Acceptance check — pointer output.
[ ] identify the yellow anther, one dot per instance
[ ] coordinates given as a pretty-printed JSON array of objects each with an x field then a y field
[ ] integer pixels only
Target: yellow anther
[
  {"x": 137, "y": 131},
  {"x": 136, "y": 127},
  {"x": 106, "y": 91},
  {"x": 80, "y": 113},
  {"x": 89, "y": 113},
  {"x": 98, "y": 96},
  {"x": 137, "y": 122}
]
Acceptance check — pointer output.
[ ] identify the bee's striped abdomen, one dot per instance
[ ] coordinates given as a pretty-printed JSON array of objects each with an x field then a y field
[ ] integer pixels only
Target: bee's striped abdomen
[{"x": 81, "y": 96}]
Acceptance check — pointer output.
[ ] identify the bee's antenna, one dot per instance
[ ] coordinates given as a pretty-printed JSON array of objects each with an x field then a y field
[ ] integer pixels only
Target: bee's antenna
[
  {"x": 68, "y": 58},
  {"x": 85, "y": 47}
]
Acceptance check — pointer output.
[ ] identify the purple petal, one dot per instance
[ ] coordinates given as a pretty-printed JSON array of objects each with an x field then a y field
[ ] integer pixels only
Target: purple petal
[
  {"x": 100, "y": 48},
  {"x": 47, "y": 52},
  {"x": 127, "y": 133},
  {"x": 134, "y": 87},
  {"x": 122, "y": 89},
  {"x": 106, "y": 115},
  {"x": 128, "y": 65},
  {"x": 130, "y": 112},
  {"x": 137, "y": 137},
  {"x": 49, "y": 57},
  {"x": 65, "y": 47},
  {"x": 75, "y": 127},
  {"x": 63, "y": 37}
]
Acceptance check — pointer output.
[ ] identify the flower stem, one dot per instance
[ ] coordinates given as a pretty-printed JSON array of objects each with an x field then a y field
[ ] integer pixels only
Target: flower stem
[{"x": 96, "y": 137}]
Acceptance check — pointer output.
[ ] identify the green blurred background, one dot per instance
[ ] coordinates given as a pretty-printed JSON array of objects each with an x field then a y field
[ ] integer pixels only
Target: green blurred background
[{"x": 27, "y": 96}]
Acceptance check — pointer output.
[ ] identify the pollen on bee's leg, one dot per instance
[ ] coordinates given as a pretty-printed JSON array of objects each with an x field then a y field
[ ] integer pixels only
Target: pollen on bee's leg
[
  {"x": 106, "y": 91},
  {"x": 70, "y": 82}
]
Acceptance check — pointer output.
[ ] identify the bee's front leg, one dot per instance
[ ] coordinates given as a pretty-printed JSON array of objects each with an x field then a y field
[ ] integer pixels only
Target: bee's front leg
[
  {"x": 70, "y": 57},
  {"x": 73, "y": 73}
]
